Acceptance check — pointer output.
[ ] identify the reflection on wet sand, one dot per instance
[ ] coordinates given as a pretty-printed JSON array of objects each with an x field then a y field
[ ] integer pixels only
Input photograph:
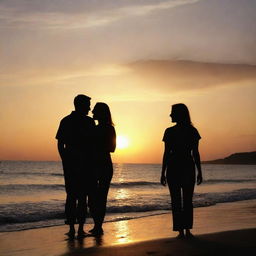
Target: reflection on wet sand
[
  {"x": 75, "y": 245},
  {"x": 122, "y": 232}
]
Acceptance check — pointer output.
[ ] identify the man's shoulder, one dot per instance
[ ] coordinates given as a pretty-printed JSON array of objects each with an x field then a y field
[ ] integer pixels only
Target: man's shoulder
[
  {"x": 66, "y": 118},
  {"x": 73, "y": 120},
  {"x": 89, "y": 121},
  {"x": 89, "y": 118}
]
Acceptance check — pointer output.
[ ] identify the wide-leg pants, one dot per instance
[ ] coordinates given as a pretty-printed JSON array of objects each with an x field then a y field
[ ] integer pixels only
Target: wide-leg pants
[
  {"x": 181, "y": 183},
  {"x": 182, "y": 204}
]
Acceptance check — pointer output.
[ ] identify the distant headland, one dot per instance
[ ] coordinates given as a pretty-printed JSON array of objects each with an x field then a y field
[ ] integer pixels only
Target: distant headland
[{"x": 236, "y": 158}]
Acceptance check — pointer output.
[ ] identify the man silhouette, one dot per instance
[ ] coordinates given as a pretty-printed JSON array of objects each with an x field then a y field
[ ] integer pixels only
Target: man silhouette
[{"x": 75, "y": 138}]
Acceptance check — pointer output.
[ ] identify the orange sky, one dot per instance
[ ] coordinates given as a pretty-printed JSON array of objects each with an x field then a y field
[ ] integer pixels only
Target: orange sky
[{"x": 140, "y": 57}]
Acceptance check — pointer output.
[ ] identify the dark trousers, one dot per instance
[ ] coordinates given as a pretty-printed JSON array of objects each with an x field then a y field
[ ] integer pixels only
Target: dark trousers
[
  {"x": 75, "y": 208},
  {"x": 182, "y": 204},
  {"x": 77, "y": 185},
  {"x": 99, "y": 195}
]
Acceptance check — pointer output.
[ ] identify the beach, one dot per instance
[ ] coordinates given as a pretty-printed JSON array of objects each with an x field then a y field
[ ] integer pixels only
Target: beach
[{"x": 221, "y": 229}]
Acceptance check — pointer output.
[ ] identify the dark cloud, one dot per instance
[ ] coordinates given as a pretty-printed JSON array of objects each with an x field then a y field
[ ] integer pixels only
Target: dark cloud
[
  {"x": 70, "y": 6},
  {"x": 111, "y": 31},
  {"x": 188, "y": 75}
]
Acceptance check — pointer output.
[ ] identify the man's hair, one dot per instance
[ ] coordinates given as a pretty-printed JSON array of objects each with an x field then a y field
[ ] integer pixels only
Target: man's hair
[{"x": 81, "y": 99}]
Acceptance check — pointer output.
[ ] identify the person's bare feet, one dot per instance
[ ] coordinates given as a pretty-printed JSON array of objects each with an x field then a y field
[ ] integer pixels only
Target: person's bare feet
[
  {"x": 71, "y": 232},
  {"x": 80, "y": 232},
  {"x": 180, "y": 235},
  {"x": 189, "y": 235},
  {"x": 97, "y": 231}
]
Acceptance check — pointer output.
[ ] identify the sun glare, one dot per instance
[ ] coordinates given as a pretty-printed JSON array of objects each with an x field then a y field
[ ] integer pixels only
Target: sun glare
[{"x": 122, "y": 142}]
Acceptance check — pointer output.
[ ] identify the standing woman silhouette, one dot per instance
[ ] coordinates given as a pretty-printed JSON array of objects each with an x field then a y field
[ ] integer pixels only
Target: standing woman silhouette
[
  {"x": 178, "y": 169},
  {"x": 105, "y": 142}
]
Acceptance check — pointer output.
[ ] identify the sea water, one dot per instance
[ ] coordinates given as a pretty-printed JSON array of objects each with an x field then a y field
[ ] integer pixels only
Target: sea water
[{"x": 32, "y": 194}]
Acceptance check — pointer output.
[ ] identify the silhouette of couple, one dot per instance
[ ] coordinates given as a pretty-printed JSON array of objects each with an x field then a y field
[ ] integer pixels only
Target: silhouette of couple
[{"x": 85, "y": 152}]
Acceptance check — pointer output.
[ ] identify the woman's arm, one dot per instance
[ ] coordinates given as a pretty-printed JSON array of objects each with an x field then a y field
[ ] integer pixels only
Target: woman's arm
[
  {"x": 164, "y": 164},
  {"x": 196, "y": 156},
  {"x": 112, "y": 139}
]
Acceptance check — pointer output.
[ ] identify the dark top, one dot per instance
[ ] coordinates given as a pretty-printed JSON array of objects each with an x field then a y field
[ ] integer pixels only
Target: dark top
[
  {"x": 180, "y": 140},
  {"x": 76, "y": 132},
  {"x": 105, "y": 142},
  {"x": 105, "y": 139}
]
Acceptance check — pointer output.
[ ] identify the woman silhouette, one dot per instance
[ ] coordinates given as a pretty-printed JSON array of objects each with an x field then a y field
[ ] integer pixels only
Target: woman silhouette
[
  {"x": 178, "y": 169},
  {"x": 105, "y": 142}
]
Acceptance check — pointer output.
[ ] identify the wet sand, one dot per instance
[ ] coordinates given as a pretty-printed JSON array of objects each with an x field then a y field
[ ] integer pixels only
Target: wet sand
[{"x": 223, "y": 229}]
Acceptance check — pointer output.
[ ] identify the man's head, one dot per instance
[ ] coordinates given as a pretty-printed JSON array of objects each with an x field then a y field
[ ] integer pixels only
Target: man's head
[{"x": 82, "y": 103}]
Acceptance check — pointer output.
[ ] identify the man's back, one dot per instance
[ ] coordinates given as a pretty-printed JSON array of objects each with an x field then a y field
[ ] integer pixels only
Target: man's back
[{"x": 76, "y": 132}]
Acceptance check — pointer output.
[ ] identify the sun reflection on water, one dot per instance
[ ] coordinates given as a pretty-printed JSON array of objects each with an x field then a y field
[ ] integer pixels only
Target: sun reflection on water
[{"x": 122, "y": 194}]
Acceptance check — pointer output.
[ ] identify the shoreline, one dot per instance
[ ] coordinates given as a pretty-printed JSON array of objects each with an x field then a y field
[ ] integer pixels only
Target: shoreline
[
  {"x": 122, "y": 234},
  {"x": 167, "y": 212}
]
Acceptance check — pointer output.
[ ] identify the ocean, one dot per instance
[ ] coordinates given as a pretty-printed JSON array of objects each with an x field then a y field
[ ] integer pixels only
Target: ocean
[{"x": 32, "y": 194}]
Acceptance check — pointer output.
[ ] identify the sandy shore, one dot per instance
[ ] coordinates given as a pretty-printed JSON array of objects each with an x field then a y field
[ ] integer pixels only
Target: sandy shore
[{"x": 223, "y": 229}]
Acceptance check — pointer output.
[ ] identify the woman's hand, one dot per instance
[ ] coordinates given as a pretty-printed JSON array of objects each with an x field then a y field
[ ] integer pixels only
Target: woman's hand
[
  {"x": 199, "y": 178},
  {"x": 163, "y": 180}
]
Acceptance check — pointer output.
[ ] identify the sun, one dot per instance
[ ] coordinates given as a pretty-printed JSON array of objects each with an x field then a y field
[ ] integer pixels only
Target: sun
[{"x": 122, "y": 142}]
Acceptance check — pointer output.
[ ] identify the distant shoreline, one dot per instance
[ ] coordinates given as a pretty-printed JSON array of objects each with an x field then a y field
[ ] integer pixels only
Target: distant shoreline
[{"x": 246, "y": 158}]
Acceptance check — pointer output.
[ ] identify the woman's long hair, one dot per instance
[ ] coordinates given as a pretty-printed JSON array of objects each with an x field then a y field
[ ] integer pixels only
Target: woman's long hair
[
  {"x": 181, "y": 113},
  {"x": 104, "y": 113}
]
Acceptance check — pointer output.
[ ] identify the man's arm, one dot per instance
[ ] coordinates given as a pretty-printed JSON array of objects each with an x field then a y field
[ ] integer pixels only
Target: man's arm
[{"x": 61, "y": 149}]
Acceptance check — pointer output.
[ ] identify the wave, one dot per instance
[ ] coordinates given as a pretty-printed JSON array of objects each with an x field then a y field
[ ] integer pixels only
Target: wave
[
  {"x": 135, "y": 183},
  {"x": 49, "y": 210},
  {"x": 36, "y": 173},
  {"x": 209, "y": 181},
  {"x": 26, "y": 187},
  {"x": 13, "y": 188},
  {"x": 31, "y": 212},
  {"x": 57, "y": 174},
  {"x": 208, "y": 199},
  {"x": 214, "y": 181}
]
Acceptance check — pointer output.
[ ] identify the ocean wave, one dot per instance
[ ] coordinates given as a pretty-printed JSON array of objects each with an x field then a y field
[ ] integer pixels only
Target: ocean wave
[
  {"x": 214, "y": 181},
  {"x": 207, "y": 181},
  {"x": 208, "y": 199},
  {"x": 57, "y": 174},
  {"x": 27, "y": 187},
  {"x": 31, "y": 212},
  {"x": 134, "y": 183},
  {"x": 48, "y": 210},
  {"x": 30, "y": 173},
  {"x": 14, "y": 188}
]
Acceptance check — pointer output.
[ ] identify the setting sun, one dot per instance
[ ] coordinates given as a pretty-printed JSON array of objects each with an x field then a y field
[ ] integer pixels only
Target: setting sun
[{"x": 122, "y": 142}]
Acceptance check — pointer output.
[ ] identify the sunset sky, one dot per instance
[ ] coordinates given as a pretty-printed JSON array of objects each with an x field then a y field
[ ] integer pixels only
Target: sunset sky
[{"x": 138, "y": 56}]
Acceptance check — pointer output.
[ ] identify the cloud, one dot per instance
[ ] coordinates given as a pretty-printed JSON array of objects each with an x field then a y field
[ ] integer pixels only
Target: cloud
[
  {"x": 63, "y": 35},
  {"x": 81, "y": 14},
  {"x": 187, "y": 75}
]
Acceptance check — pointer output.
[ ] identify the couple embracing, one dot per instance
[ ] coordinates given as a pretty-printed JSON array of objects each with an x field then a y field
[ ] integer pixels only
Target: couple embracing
[{"x": 85, "y": 152}]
